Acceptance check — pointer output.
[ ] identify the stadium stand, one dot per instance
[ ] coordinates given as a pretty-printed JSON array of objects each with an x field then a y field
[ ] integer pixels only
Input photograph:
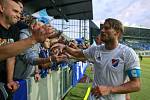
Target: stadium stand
[{"x": 137, "y": 38}]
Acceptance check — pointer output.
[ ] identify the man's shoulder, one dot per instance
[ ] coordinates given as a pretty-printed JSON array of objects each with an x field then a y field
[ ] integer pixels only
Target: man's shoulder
[
  {"x": 125, "y": 47},
  {"x": 96, "y": 47},
  {"x": 127, "y": 50},
  {"x": 92, "y": 48}
]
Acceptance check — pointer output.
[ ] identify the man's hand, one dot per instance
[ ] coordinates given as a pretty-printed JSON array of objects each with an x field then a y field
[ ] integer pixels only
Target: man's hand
[
  {"x": 40, "y": 32},
  {"x": 101, "y": 91},
  {"x": 13, "y": 86},
  {"x": 73, "y": 45},
  {"x": 58, "y": 45},
  {"x": 55, "y": 34}
]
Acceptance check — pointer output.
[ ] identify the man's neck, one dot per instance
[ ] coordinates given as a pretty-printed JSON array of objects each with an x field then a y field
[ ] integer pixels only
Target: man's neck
[
  {"x": 4, "y": 23},
  {"x": 111, "y": 45}
]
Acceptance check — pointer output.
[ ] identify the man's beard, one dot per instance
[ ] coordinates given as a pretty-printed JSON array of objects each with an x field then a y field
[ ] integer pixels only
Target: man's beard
[
  {"x": 107, "y": 39},
  {"x": 10, "y": 20}
]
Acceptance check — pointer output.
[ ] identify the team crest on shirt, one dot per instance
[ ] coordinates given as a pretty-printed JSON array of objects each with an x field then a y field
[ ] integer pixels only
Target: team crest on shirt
[
  {"x": 98, "y": 56},
  {"x": 115, "y": 62}
]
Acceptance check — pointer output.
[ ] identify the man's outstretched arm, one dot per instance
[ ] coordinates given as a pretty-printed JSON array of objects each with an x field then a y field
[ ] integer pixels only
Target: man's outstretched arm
[
  {"x": 73, "y": 52},
  {"x": 16, "y": 48},
  {"x": 39, "y": 34}
]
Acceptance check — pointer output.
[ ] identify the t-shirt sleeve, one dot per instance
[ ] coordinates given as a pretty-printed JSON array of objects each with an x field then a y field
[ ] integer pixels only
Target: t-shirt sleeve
[
  {"x": 132, "y": 64},
  {"x": 24, "y": 33},
  {"x": 89, "y": 53},
  {"x": 131, "y": 60}
]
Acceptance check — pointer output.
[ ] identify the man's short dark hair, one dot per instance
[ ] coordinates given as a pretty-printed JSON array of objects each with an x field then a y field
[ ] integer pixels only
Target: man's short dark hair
[{"x": 115, "y": 24}]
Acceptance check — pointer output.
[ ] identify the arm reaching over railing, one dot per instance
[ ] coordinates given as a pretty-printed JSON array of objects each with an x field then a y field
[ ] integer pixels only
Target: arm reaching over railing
[
  {"x": 74, "y": 52},
  {"x": 39, "y": 34}
]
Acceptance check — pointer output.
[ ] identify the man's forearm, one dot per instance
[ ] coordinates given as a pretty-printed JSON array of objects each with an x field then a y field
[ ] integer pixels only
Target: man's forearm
[
  {"x": 16, "y": 48},
  {"x": 131, "y": 86},
  {"x": 75, "y": 52},
  {"x": 10, "y": 68},
  {"x": 43, "y": 60}
]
